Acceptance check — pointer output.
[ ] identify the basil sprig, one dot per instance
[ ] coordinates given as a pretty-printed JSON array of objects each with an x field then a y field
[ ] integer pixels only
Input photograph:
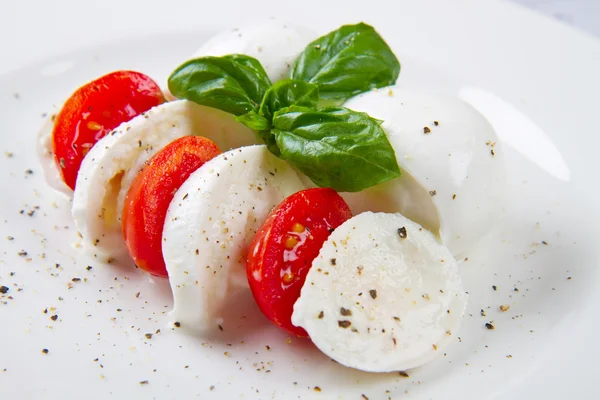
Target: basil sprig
[
  {"x": 347, "y": 61},
  {"x": 334, "y": 146}
]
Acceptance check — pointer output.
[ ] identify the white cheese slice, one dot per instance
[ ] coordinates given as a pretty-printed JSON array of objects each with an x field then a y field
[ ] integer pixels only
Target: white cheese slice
[
  {"x": 383, "y": 295},
  {"x": 45, "y": 154},
  {"x": 210, "y": 224}
]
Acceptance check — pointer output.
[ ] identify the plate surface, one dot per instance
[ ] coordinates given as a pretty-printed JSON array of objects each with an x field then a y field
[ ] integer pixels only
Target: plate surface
[{"x": 535, "y": 80}]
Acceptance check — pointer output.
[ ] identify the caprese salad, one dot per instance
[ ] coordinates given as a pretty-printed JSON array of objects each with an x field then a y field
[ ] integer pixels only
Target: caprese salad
[{"x": 297, "y": 169}]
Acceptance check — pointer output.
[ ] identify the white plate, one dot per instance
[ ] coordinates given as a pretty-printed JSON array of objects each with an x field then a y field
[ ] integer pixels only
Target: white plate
[{"x": 535, "y": 79}]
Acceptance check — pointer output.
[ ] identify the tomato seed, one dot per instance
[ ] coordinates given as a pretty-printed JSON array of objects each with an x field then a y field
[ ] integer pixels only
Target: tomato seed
[
  {"x": 93, "y": 125},
  {"x": 288, "y": 277},
  {"x": 298, "y": 228},
  {"x": 291, "y": 242}
]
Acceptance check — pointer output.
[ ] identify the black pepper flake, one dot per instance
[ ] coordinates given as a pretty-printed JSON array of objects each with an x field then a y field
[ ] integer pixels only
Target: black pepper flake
[
  {"x": 221, "y": 328},
  {"x": 490, "y": 326},
  {"x": 454, "y": 196},
  {"x": 76, "y": 279},
  {"x": 22, "y": 253},
  {"x": 10, "y": 238},
  {"x": 344, "y": 324},
  {"x": 373, "y": 293},
  {"x": 139, "y": 143},
  {"x": 515, "y": 289},
  {"x": 4, "y": 289},
  {"x": 494, "y": 287},
  {"x": 436, "y": 123},
  {"x": 544, "y": 243},
  {"x": 321, "y": 314},
  {"x": 426, "y": 130},
  {"x": 364, "y": 397},
  {"x": 29, "y": 172},
  {"x": 345, "y": 312},
  {"x": 177, "y": 324},
  {"x": 54, "y": 317},
  {"x": 403, "y": 374},
  {"x": 89, "y": 267},
  {"x": 432, "y": 193},
  {"x": 402, "y": 232},
  {"x": 45, "y": 351},
  {"x": 148, "y": 335},
  {"x": 143, "y": 382},
  {"x": 333, "y": 261}
]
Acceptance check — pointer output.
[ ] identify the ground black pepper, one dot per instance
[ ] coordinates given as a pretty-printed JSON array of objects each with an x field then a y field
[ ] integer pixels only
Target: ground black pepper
[
  {"x": 344, "y": 324},
  {"x": 402, "y": 232}
]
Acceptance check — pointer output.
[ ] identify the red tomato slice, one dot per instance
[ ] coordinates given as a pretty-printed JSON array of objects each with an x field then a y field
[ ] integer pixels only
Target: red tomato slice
[
  {"x": 94, "y": 110},
  {"x": 284, "y": 247},
  {"x": 151, "y": 193}
]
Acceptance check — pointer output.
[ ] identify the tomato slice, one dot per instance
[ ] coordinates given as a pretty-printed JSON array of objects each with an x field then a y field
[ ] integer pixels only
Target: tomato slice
[
  {"x": 283, "y": 249},
  {"x": 151, "y": 193},
  {"x": 94, "y": 110}
]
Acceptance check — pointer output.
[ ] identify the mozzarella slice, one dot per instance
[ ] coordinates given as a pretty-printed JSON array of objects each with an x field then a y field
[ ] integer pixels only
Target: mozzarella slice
[
  {"x": 452, "y": 160},
  {"x": 383, "y": 295},
  {"x": 209, "y": 225},
  {"x": 275, "y": 44},
  {"x": 46, "y": 155},
  {"x": 109, "y": 169}
]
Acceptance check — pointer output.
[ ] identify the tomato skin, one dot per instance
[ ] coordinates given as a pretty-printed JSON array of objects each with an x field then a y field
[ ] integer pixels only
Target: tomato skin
[
  {"x": 283, "y": 249},
  {"x": 94, "y": 110},
  {"x": 151, "y": 193}
]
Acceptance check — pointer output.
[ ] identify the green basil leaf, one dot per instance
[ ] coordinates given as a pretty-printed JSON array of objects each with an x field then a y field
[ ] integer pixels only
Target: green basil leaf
[
  {"x": 335, "y": 147},
  {"x": 235, "y": 83},
  {"x": 254, "y": 121},
  {"x": 347, "y": 61},
  {"x": 286, "y": 93}
]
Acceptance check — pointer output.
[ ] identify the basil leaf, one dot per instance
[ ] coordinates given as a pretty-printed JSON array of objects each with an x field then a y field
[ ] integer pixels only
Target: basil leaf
[
  {"x": 347, "y": 61},
  {"x": 286, "y": 93},
  {"x": 235, "y": 83},
  {"x": 335, "y": 147}
]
